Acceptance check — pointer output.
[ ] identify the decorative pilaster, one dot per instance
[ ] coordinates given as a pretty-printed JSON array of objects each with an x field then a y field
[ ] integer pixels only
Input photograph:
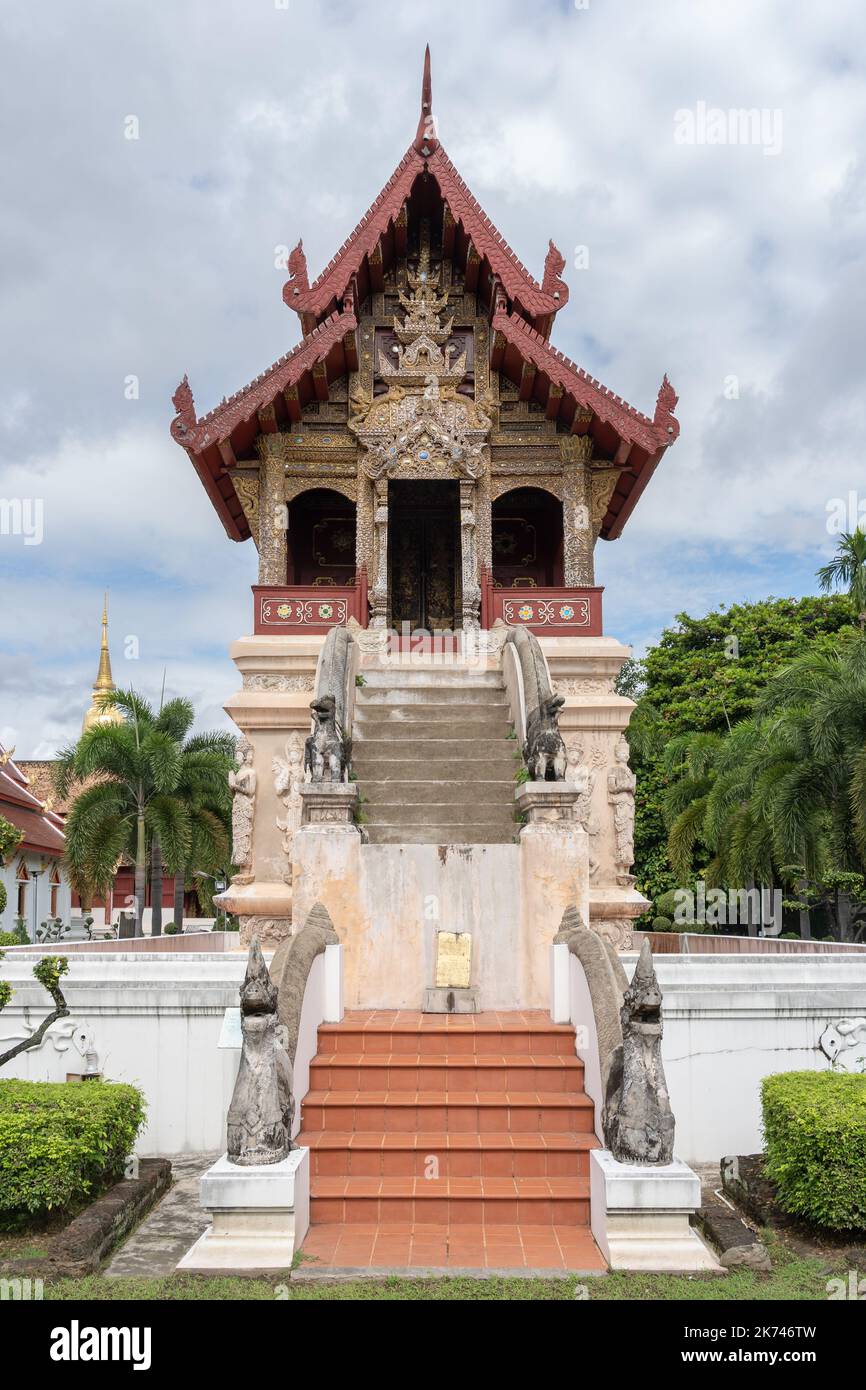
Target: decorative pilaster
[
  {"x": 578, "y": 536},
  {"x": 469, "y": 553},
  {"x": 273, "y": 522},
  {"x": 379, "y": 591}
]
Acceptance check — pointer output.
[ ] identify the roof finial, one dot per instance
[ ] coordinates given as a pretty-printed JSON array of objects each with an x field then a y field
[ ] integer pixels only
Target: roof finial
[
  {"x": 427, "y": 86},
  {"x": 425, "y": 137}
]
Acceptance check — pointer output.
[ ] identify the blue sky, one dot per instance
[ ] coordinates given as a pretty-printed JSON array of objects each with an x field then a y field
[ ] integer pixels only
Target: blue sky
[{"x": 736, "y": 268}]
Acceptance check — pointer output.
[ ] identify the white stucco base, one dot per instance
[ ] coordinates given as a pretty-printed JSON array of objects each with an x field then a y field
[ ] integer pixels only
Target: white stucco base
[
  {"x": 259, "y": 1214},
  {"x": 155, "y": 1021},
  {"x": 729, "y": 1021},
  {"x": 640, "y": 1215},
  {"x": 388, "y": 902}
]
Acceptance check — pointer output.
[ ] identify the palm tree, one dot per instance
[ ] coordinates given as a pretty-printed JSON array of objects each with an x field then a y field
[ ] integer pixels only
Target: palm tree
[
  {"x": 783, "y": 795},
  {"x": 145, "y": 775},
  {"x": 209, "y": 803},
  {"x": 847, "y": 570}
]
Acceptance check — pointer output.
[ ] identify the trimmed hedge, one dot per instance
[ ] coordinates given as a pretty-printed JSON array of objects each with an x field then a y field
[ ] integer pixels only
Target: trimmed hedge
[
  {"x": 815, "y": 1132},
  {"x": 61, "y": 1144}
]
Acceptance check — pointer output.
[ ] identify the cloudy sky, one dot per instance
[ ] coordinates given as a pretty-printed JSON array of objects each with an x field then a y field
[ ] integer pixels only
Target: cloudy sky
[{"x": 737, "y": 267}]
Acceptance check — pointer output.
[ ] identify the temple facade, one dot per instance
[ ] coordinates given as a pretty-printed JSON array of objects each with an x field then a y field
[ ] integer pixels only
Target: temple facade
[{"x": 428, "y": 473}]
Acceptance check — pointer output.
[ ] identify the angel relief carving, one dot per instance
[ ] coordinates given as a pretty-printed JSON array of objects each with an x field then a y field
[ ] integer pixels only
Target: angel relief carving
[{"x": 288, "y": 780}]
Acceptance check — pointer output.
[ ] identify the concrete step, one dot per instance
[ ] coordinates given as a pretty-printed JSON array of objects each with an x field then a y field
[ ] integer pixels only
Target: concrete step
[
  {"x": 483, "y": 697},
  {"x": 460, "y": 724},
  {"x": 381, "y": 772},
  {"x": 384, "y": 748},
  {"x": 398, "y": 834},
  {"x": 446, "y": 791},
  {"x": 438, "y": 676},
  {"x": 473, "y": 812}
]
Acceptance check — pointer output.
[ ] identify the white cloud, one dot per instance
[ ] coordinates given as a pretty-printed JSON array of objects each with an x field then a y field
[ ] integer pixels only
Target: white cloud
[{"x": 259, "y": 125}]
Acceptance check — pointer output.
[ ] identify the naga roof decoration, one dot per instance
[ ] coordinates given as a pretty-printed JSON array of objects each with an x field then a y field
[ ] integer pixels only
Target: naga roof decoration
[{"x": 521, "y": 312}]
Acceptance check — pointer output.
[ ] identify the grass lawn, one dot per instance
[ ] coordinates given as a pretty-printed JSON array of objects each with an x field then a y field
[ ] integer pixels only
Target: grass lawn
[{"x": 793, "y": 1277}]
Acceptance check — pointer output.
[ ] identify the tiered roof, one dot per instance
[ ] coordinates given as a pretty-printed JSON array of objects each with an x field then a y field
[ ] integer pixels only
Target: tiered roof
[{"x": 522, "y": 313}]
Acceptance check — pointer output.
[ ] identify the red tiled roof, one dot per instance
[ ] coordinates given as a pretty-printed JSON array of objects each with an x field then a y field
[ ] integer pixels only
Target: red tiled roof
[
  {"x": 539, "y": 301},
  {"x": 218, "y": 424},
  {"x": 42, "y": 829}
]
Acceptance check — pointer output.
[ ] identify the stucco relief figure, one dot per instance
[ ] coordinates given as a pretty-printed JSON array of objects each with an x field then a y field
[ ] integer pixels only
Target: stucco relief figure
[
  {"x": 288, "y": 780},
  {"x": 243, "y": 785},
  {"x": 583, "y": 777},
  {"x": 621, "y": 783}
]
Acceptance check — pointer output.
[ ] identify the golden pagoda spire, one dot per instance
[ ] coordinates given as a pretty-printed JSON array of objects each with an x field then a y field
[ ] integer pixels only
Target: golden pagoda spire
[{"x": 98, "y": 713}]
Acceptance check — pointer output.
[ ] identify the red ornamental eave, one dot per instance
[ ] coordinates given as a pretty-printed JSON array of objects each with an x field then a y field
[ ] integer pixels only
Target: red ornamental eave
[
  {"x": 537, "y": 302},
  {"x": 275, "y": 397},
  {"x": 625, "y": 435}
]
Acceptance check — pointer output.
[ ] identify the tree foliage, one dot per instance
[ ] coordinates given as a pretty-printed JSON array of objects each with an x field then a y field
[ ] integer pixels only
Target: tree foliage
[
  {"x": 148, "y": 777},
  {"x": 701, "y": 678}
]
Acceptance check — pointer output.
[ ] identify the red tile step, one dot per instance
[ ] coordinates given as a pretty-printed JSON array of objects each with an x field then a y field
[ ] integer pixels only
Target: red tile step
[
  {"x": 334, "y": 1153},
  {"x": 452, "y": 1201},
  {"x": 364, "y": 1071},
  {"x": 418, "y": 1121},
  {"x": 463, "y": 1112}
]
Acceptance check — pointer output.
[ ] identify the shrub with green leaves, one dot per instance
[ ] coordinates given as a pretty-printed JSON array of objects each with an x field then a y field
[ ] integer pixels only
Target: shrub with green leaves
[
  {"x": 61, "y": 1144},
  {"x": 815, "y": 1133}
]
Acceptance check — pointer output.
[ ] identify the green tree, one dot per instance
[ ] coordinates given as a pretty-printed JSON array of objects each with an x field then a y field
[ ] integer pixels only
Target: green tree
[
  {"x": 847, "y": 570},
  {"x": 48, "y": 971},
  {"x": 782, "y": 796},
  {"x": 703, "y": 676},
  {"x": 148, "y": 774}
]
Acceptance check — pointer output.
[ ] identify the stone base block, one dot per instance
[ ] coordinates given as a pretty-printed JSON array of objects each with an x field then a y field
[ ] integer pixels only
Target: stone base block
[
  {"x": 449, "y": 1000},
  {"x": 260, "y": 1215},
  {"x": 640, "y": 1216}
]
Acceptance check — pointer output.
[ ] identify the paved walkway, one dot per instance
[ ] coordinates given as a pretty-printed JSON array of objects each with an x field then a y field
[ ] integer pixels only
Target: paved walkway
[{"x": 175, "y": 1223}]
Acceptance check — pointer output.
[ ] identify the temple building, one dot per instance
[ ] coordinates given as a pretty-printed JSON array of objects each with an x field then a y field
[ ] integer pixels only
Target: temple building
[
  {"x": 425, "y": 475},
  {"x": 32, "y": 874},
  {"x": 425, "y": 441}
]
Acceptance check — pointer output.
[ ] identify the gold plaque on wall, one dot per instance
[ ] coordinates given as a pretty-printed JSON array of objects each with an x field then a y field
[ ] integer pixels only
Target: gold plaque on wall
[{"x": 453, "y": 959}]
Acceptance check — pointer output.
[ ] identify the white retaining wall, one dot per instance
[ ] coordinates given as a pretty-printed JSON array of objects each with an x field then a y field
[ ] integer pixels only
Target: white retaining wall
[{"x": 155, "y": 1021}]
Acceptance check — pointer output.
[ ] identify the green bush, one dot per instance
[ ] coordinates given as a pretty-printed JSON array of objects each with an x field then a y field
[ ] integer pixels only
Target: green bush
[
  {"x": 9, "y": 938},
  {"x": 61, "y": 1144},
  {"x": 662, "y": 924},
  {"x": 815, "y": 1132},
  {"x": 4, "y": 898},
  {"x": 170, "y": 929}
]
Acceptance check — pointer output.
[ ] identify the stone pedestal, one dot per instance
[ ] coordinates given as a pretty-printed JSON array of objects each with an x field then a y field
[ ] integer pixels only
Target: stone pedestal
[
  {"x": 552, "y": 804},
  {"x": 640, "y": 1215},
  {"x": 329, "y": 806},
  {"x": 260, "y": 1216}
]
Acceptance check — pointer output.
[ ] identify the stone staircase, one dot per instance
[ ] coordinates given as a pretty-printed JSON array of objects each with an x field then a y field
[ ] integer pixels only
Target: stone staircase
[
  {"x": 433, "y": 758},
  {"x": 455, "y": 1133}
]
